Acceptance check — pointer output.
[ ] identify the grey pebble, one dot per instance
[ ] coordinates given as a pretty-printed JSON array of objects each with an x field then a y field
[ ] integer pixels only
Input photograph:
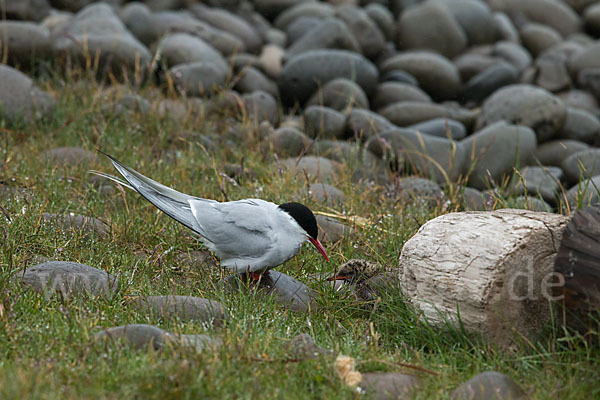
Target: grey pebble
[
  {"x": 497, "y": 148},
  {"x": 289, "y": 292},
  {"x": 339, "y": 94},
  {"x": 436, "y": 74},
  {"x": 68, "y": 279},
  {"x": 324, "y": 193},
  {"x": 185, "y": 308},
  {"x": 81, "y": 225},
  {"x": 302, "y": 75},
  {"x": 525, "y": 105},
  {"x": 324, "y": 122},
  {"x": 488, "y": 385}
]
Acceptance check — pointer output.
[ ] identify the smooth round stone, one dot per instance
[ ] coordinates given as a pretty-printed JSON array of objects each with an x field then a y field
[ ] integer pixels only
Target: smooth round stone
[
  {"x": 389, "y": 385},
  {"x": 271, "y": 60},
  {"x": 583, "y": 164},
  {"x": 35, "y": 10},
  {"x": 185, "y": 308},
  {"x": 364, "y": 124},
  {"x": 591, "y": 19},
  {"x": 552, "y": 73},
  {"x": 318, "y": 168},
  {"x": 588, "y": 57},
  {"x": 104, "y": 34},
  {"x": 473, "y": 200},
  {"x": 584, "y": 193},
  {"x": 471, "y": 64},
  {"x": 330, "y": 33},
  {"x": 387, "y": 93},
  {"x": 138, "y": 19},
  {"x": 287, "y": 291},
  {"x": 488, "y": 81},
  {"x": 525, "y": 105},
  {"x": 488, "y": 385},
  {"x": 68, "y": 156},
  {"x": 20, "y": 98},
  {"x": 418, "y": 190},
  {"x": 181, "y": 48},
  {"x": 434, "y": 157},
  {"x": 363, "y": 28},
  {"x": 174, "y": 110},
  {"x": 229, "y": 22},
  {"x": 497, "y": 149},
  {"x": 68, "y": 279},
  {"x": 74, "y": 223},
  {"x": 383, "y": 17},
  {"x": 397, "y": 75},
  {"x": 129, "y": 103},
  {"x": 505, "y": 27},
  {"x": 475, "y": 18},
  {"x": 324, "y": 122},
  {"x": 442, "y": 127},
  {"x": 537, "y": 181},
  {"x": 271, "y": 8},
  {"x": 289, "y": 142},
  {"x": 414, "y": 30},
  {"x": 24, "y": 42},
  {"x": 300, "y": 27},
  {"x": 303, "y": 347},
  {"x": 589, "y": 79},
  {"x": 324, "y": 193},
  {"x": 580, "y": 99},
  {"x": 580, "y": 125},
  {"x": 552, "y": 13},
  {"x": 331, "y": 230},
  {"x": 303, "y": 9},
  {"x": 435, "y": 73},
  {"x": 165, "y": 22},
  {"x": 407, "y": 113},
  {"x": 303, "y": 74},
  {"x": 556, "y": 151},
  {"x": 261, "y": 106},
  {"x": 339, "y": 94},
  {"x": 275, "y": 37},
  {"x": 138, "y": 336},
  {"x": 336, "y": 150},
  {"x": 14, "y": 193},
  {"x": 514, "y": 53},
  {"x": 250, "y": 79},
  {"x": 580, "y": 5},
  {"x": 537, "y": 38}
]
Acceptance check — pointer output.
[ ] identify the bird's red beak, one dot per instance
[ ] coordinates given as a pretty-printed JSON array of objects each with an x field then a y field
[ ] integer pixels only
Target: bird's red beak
[
  {"x": 319, "y": 247},
  {"x": 339, "y": 278}
]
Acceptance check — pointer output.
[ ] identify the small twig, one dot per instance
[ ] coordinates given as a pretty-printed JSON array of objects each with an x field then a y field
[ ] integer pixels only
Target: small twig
[
  {"x": 5, "y": 214},
  {"x": 284, "y": 360},
  {"x": 278, "y": 165},
  {"x": 404, "y": 365}
]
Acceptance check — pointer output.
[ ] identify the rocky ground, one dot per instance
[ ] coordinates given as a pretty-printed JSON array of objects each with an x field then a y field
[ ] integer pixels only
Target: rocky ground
[{"x": 379, "y": 114}]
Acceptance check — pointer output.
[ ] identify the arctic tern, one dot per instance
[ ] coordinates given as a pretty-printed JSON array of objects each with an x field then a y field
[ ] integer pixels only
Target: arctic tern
[{"x": 250, "y": 235}]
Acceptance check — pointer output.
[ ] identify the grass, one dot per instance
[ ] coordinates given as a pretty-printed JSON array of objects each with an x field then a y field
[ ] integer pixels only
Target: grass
[{"x": 46, "y": 349}]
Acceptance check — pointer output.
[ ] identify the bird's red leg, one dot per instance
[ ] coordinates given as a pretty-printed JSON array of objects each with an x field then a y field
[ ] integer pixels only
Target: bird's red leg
[
  {"x": 257, "y": 275},
  {"x": 254, "y": 275}
]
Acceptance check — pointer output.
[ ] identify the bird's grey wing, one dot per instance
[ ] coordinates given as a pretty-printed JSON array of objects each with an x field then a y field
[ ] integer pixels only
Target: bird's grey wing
[
  {"x": 237, "y": 228},
  {"x": 173, "y": 203}
]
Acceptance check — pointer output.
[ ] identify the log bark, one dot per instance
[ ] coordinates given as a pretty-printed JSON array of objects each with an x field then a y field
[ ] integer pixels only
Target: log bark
[
  {"x": 578, "y": 262},
  {"x": 495, "y": 269}
]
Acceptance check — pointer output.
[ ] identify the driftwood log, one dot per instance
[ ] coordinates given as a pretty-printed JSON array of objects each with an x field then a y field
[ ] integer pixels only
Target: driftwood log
[
  {"x": 494, "y": 269},
  {"x": 578, "y": 261}
]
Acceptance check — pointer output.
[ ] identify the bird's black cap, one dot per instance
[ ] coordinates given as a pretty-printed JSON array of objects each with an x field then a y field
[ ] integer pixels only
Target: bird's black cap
[{"x": 303, "y": 216}]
